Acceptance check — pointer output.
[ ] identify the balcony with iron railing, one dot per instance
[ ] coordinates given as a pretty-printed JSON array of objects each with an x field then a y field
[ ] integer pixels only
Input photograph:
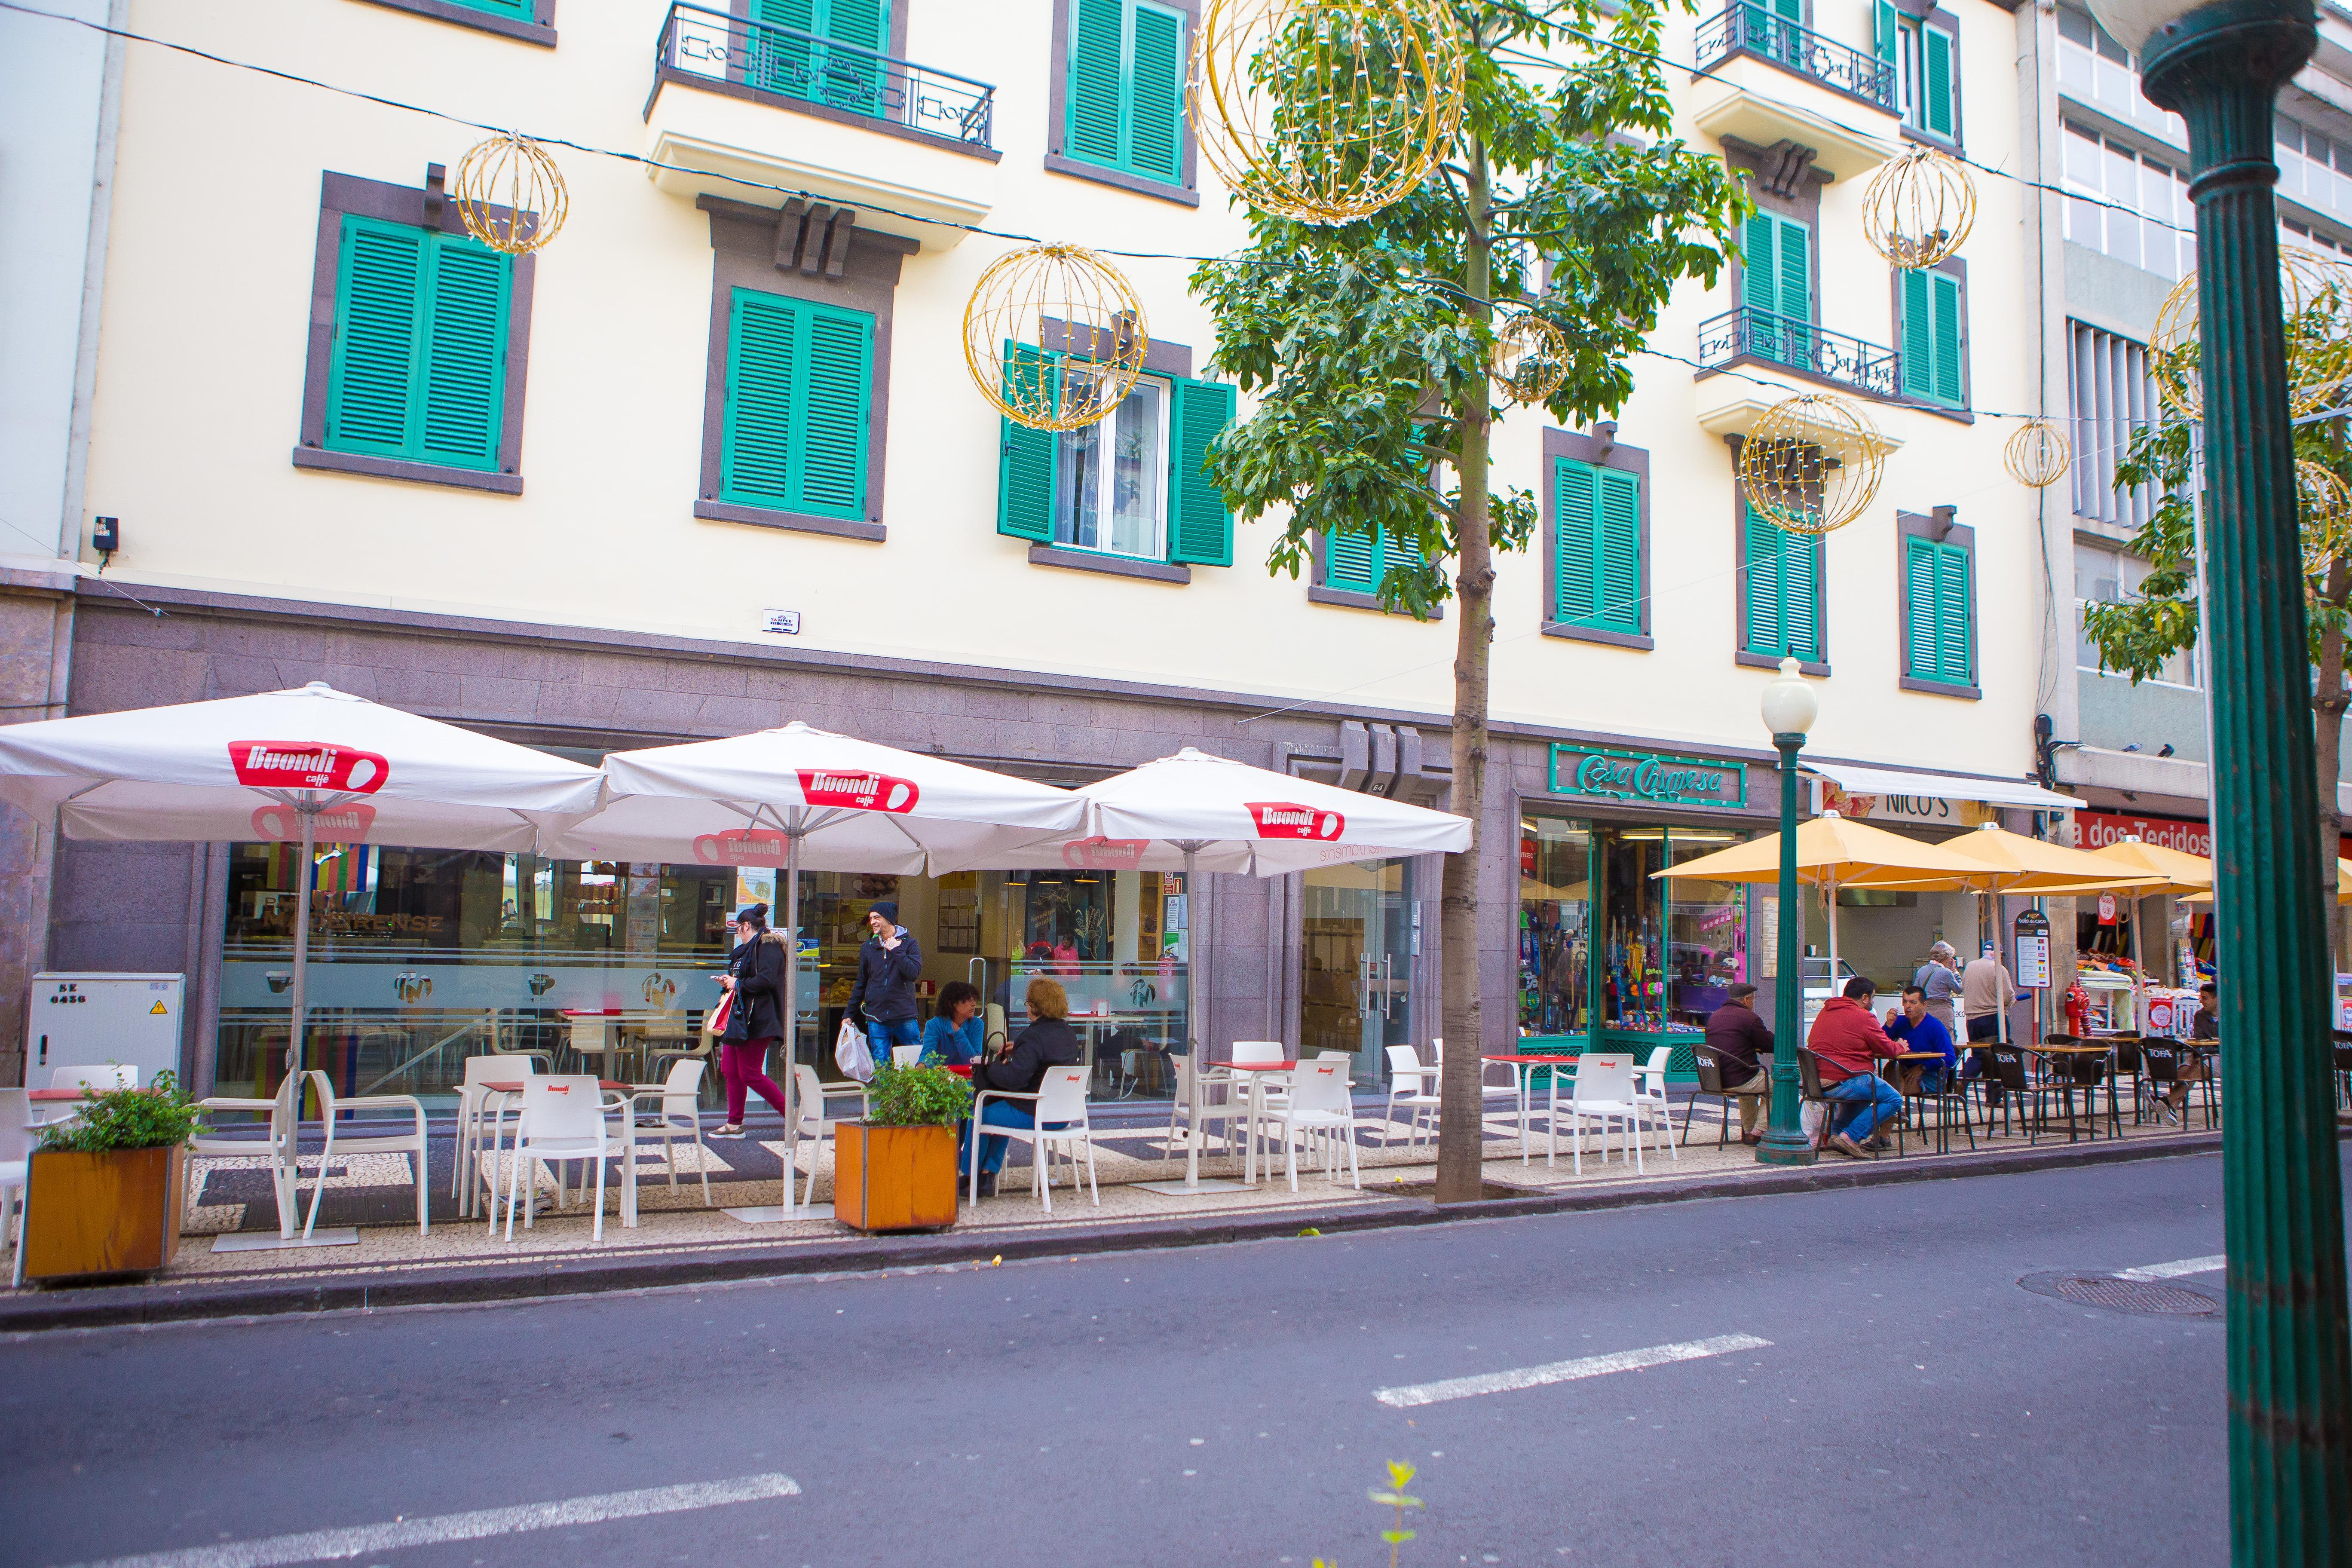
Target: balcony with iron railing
[
  {"x": 908, "y": 147},
  {"x": 1763, "y": 35},
  {"x": 1747, "y": 335}
]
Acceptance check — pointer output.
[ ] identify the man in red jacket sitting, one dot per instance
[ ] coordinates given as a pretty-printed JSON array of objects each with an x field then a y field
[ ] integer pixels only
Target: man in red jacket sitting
[{"x": 1847, "y": 1042}]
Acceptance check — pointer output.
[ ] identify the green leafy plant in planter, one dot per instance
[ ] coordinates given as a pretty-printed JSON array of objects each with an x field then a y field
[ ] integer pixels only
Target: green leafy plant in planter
[
  {"x": 155, "y": 1118},
  {"x": 917, "y": 1097}
]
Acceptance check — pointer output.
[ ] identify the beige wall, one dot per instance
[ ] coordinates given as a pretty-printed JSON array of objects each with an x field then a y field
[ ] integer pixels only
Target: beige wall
[{"x": 203, "y": 343}]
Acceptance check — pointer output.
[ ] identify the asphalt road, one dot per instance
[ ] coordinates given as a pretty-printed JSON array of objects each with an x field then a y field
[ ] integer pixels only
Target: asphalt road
[{"x": 1214, "y": 1405}]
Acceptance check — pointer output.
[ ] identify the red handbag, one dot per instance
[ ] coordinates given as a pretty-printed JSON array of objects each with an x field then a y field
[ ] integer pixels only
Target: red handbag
[{"x": 716, "y": 1023}]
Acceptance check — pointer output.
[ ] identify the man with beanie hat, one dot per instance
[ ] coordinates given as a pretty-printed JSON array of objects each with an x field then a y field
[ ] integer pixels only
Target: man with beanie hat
[{"x": 883, "y": 1002}]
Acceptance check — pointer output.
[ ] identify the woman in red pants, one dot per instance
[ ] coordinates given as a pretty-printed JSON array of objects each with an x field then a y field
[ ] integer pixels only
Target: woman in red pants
[{"x": 755, "y": 974}]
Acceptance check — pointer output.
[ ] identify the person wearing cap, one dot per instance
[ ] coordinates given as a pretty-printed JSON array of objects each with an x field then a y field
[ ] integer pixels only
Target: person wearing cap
[
  {"x": 1735, "y": 1038},
  {"x": 883, "y": 1001},
  {"x": 755, "y": 974}
]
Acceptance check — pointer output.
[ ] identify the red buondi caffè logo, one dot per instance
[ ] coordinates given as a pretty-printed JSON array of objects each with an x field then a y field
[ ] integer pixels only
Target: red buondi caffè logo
[
  {"x": 1286, "y": 820},
  {"x": 742, "y": 847},
  {"x": 861, "y": 792},
  {"x": 1105, "y": 853},
  {"x": 346, "y": 824},
  {"x": 306, "y": 764}
]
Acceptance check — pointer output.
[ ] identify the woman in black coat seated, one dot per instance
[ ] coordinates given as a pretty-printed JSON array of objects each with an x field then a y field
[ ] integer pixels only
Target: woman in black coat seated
[{"x": 1019, "y": 1068}]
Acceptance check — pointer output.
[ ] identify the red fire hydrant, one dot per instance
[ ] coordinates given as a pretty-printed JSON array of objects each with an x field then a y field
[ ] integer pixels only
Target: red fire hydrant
[{"x": 2078, "y": 1008}]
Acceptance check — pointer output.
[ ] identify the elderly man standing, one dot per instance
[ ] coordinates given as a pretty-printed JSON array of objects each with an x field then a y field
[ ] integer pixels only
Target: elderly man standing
[
  {"x": 1735, "y": 1035},
  {"x": 1849, "y": 1044},
  {"x": 1938, "y": 982}
]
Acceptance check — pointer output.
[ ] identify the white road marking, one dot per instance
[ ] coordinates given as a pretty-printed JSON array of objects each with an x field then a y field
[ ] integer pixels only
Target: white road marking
[
  {"x": 2174, "y": 1271},
  {"x": 1413, "y": 1394},
  {"x": 327, "y": 1545}
]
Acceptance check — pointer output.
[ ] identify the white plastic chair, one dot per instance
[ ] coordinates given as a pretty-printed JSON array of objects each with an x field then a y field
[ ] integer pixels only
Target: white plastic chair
[
  {"x": 678, "y": 1115},
  {"x": 101, "y": 1078},
  {"x": 1488, "y": 1088},
  {"x": 809, "y": 1092},
  {"x": 1601, "y": 1091},
  {"x": 1262, "y": 1090},
  {"x": 411, "y": 1144},
  {"x": 1319, "y": 1107},
  {"x": 1060, "y": 1110},
  {"x": 1181, "y": 1107},
  {"x": 562, "y": 1120},
  {"x": 473, "y": 1107},
  {"x": 1409, "y": 1084},
  {"x": 15, "y": 1168},
  {"x": 279, "y": 1144},
  {"x": 1650, "y": 1099},
  {"x": 905, "y": 1056}
]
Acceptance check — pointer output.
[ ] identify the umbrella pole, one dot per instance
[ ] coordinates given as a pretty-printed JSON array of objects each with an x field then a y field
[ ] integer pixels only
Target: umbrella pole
[
  {"x": 1192, "y": 1026},
  {"x": 792, "y": 1008},
  {"x": 300, "y": 1015}
]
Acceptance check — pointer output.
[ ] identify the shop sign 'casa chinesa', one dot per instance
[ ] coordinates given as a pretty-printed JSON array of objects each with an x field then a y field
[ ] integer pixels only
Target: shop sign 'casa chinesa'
[{"x": 1652, "y": 776}]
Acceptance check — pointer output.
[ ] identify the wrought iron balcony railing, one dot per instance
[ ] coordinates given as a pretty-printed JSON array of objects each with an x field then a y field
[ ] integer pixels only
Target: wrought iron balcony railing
[
  {"x": 1800, "y": 346},
  {"x": 1800, "y": 49},
  {"x": 699, "y": 42}
]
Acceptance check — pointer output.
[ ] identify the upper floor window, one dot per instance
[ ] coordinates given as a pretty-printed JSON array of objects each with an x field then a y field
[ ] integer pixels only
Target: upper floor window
[
  {"x": 2145, "y": 217},
  {"x": 798, "y": 380},
  {"x": 1938, "y": 618},
  {"x": 789, "y": 62},
  {"x": 1124, "y": 94},
  {"x": 419, "y": 369},
  {"x": 1776, "y": 284},
  {"x": 2105, "y": 574},
  {"x": 533, "y": 21},
  {"x": 1110, "y": 478},
  {"x": 1597, "y": 548},
  {"x": 1931, "y": 305},
  {"x": 1781, "y": 601},
  {"x": 1925, "y": 56},
  {"x": 1359, "y": 563},
  {"x": 2111, "y": 395}
]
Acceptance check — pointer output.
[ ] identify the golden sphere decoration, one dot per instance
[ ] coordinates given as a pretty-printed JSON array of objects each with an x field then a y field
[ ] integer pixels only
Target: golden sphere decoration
[
  {"x": 1530, "y": 359},
  {"x": 1919, "y": 207},
  {"x": 1326, "y": 110},
  {"x": 2315, "y": 304},
  {"x": 513, "y": 172},
  {"x": 1812, "y": 463},
  {"x": 2039, "y": 454},
  {"x": 1055, "y": 336},
  {"x": 2322, "y": 502}
]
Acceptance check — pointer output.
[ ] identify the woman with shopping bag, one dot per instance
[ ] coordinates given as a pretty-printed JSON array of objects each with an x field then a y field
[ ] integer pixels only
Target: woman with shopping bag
[{"x": 755, "y": 981}]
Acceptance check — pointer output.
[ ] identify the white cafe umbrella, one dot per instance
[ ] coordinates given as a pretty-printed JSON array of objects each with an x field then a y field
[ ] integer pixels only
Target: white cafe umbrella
[
  {"x": 297, "y": 766},
  {"x": 807, "y": 799},
  {"x": 1203, "y": 812}
]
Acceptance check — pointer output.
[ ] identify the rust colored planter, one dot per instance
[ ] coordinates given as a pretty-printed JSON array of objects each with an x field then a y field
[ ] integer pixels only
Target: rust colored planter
[
  {"x": 116, "y": 1212},
  {"x": 893, "y": 1178}
]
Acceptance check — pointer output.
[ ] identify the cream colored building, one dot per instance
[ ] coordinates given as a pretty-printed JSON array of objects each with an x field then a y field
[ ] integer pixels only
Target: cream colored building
[{"x": 712, "y": 461}]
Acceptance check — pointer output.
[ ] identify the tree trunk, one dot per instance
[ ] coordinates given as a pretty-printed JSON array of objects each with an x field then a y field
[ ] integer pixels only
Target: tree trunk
[{"x": 1461, "y": 1131}]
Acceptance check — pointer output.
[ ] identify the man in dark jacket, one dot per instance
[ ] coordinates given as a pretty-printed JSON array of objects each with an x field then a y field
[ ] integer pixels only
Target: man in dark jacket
[
  {"x": 1735, "y": 1035},
  {"x": 883, "y": 1001},
  {"x": 1047, "y": 1042}
]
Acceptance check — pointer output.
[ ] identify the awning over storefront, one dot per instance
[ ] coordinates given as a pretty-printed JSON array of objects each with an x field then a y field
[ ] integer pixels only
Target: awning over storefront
[{"x": 1891, "y": 783}]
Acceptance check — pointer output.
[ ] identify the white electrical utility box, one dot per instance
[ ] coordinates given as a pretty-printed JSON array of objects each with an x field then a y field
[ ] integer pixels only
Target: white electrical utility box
[{"x": 91, "y": 1020}]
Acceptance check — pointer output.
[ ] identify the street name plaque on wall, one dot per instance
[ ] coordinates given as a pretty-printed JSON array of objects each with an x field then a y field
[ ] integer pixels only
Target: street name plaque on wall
[{"x": 1657, "y": 777}]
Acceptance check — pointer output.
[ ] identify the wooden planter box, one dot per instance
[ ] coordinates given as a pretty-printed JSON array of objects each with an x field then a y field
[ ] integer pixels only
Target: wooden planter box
[
  {"x": 893, "y": 1178},
  {"x": 116, "y": 1212}
]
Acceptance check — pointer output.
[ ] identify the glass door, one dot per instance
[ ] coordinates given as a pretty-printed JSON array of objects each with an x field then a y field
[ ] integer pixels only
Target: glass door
[{"x": 1355, "y": 965}]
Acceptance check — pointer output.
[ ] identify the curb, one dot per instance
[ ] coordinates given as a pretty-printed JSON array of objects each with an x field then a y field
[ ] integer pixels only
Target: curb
[{"x": 132, "y": 1305}]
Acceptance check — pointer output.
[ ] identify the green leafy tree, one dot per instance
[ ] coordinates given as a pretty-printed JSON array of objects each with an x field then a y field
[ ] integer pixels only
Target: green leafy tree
[
  {"x": 1368, "y": 345},
  {"x": 2137, "y": 634}
]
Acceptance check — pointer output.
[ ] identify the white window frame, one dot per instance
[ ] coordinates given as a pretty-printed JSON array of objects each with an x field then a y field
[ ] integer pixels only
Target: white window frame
[{"x": 1066, "y": 504}]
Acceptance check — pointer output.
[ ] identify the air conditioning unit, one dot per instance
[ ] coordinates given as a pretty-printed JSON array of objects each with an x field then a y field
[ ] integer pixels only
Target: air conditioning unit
[{"x": 91, "y": 1020}]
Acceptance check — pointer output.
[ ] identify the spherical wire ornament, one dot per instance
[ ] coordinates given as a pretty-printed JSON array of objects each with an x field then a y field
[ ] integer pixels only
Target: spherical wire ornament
[
  {"x": 2323, "y": 504},
  {"x": 1812, "y": 463},
  {"x": 2315, "y": 307},
  {"x": 1326, "y": 110},
  {"x": 1530, "y": 360},
  {"x": 2038, "y": 455},
  {"x": 511, "y": 173},
  {"x": 1055, "y": 336},
  {"x": 1918, "y": 208}
]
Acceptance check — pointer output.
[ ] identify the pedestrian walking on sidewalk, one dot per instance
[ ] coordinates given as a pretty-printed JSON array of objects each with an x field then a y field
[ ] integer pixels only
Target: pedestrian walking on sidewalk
[
  {"x": 882, "y": 1003},
  {"x": 755, "y": 974}
]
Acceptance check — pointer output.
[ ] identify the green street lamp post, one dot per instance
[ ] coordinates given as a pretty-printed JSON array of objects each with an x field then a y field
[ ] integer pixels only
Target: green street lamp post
[
  {"x": 1790, "y": 708},
  {"x": 2220, "y": 66}
]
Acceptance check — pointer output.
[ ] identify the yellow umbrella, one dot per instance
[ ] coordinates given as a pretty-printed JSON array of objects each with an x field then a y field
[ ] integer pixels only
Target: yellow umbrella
[
  {"x": 2170, "y": 871},
  {"x": 2001, "y": 862},
  {"x": 2343, "y": 887}
]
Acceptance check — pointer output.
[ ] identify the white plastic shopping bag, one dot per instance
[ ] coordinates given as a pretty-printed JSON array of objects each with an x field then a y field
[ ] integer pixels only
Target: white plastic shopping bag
[
  {"x": 1811, "y": 1115},
  {"x": 850, "y": 1055}
]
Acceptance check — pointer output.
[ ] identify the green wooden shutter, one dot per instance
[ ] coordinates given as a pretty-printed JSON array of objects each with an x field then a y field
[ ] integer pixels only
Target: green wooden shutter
[
  {"x": 1784, "y": 584},
  {"x": 1954, "y": 649},
  {"x": 780, "y": 62},
  {"x": 853, "y": 80},
  {"x": 1787, "y": 43},
  {"x": 1097, "y": 68},
  {"x": 522, "y": 10},
  {"x": 1760, "y": 267},
  {"x": 1025, "y": 471},
  {"x": 838, "y": 383},
  {"x": 1576, "y": 587},
  {"x": 1617, "y": 530},
  {"x": 1943, "y": 300},
  {"x": 1200, "y": 527},
  {"x": 1802, "y": 613},
  {"x": 1918, "y": 338},
  {"x": 1776, "y": 279},
  {"x": 1156, "y": 95},
  {"x": 465, "y": 354},
  {"x": 1936, "y": 579},
  {"x": 1883, "y": 30},
  {"x": 1352, "y": 562},
  {"x": 380, "y": 300},
  {"x": 1796, "y": 292},
  {"x": 763, "y": 391},
  {"x": 1935, "y": 60},
  {"x": 1920, "y": 607}
]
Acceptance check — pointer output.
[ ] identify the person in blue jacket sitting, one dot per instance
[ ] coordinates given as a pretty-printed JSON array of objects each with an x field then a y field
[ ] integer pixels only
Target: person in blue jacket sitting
[
  {"x": 952, "y": 1038},
  {"x": 1921, "y": 1030}
]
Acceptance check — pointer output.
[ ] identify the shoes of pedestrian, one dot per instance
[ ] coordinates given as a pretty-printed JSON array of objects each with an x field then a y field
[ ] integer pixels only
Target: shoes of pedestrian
[
  {"x": 1879, "y": 1145},
  {"x": 731, "y": 1130},
  {"x": 1751, "y": 1138},
  {"x": 988, "y": 1183},
  {"x": 1848, "y": 1147}
]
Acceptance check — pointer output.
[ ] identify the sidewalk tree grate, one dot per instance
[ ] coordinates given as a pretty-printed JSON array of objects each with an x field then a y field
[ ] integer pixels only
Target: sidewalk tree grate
[{"x": 2146, "y": 1298}]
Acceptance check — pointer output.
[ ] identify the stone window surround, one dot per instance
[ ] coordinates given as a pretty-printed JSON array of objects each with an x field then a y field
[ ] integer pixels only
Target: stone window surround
[
  {"x": 348, "y": 193},
  {"x": 1601, "y": 451},
  {"x": 1057, "y": 80},
  {"x": 540, "y": 29},
  {"x": 744, "y": 254},
  {"x": 1741, "y": 654},
  {"x": 1160, "y": 357},
  {"x": 1952, "y": 266},
  {"x": 1938, "y": 526}
]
